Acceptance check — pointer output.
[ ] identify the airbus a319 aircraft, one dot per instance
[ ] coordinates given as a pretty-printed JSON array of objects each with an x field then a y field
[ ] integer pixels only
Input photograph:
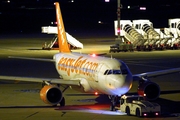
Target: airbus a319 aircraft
[{"x": 90, "y": 74}]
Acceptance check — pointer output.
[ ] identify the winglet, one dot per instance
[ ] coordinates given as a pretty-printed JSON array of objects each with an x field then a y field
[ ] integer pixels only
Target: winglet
[{"x": 62, "y": 39}]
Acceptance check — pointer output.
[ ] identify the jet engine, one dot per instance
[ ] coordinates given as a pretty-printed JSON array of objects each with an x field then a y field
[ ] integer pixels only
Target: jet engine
[
  {"x": 51, "y": 94},
  {"x": 148, "y": 89}
]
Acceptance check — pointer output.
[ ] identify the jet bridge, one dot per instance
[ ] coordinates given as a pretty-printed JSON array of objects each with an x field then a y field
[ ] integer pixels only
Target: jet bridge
[
  {"x": 53, "y": 30},
  {"x": 128, "y": 32}
]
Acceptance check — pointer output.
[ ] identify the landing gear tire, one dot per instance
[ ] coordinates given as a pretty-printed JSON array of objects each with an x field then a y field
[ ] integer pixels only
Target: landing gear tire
[
  {"x": 137, "y": 112},
  {"x": 112, "y": 108},
  {"x": 54, "y": 105},
  {"x": 127, "y": 111},
  {"x": 62, "y": 103}
]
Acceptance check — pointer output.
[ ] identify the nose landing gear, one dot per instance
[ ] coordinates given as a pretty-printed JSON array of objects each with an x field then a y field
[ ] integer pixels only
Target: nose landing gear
[{"x": 114, "y": 100}]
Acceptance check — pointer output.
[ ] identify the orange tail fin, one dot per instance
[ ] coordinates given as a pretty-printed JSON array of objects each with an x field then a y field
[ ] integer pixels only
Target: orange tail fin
[{"x": 62, "y": 39}]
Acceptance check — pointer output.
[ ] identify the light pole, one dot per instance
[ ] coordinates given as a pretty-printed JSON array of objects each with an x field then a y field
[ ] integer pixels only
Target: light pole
[
  {"x": 118, "y": 17},
  {"x": 118, "y": 20}
]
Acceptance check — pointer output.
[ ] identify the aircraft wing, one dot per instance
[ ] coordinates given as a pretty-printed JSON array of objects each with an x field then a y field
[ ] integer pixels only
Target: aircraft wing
[
  {"x": 145, "y": 75},
  {"x": 37, "y": 59},
  {"x": 49, "y": 80},
  {"x": 31, "y": 79}
]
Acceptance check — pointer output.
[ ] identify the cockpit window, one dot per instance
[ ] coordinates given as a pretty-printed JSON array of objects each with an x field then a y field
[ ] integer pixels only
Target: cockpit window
[
  {"x": 116, "y": 71},
  {"x": 124, "y": 68},
  {"x": 105, "y": 72},
  {"x": 108, "y": 72}
]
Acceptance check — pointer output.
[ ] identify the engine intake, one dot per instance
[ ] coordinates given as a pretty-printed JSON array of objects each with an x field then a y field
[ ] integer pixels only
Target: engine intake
[
  {"x": 50, "y": 94},
  {"x": 149, "y": 89}
]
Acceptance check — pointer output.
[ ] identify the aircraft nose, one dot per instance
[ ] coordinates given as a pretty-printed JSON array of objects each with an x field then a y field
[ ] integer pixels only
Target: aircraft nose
[{"x": 123, "y": 84}]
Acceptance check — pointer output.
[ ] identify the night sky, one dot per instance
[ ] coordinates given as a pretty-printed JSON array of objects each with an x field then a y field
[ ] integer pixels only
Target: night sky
[{"x": 27, "y": 16}]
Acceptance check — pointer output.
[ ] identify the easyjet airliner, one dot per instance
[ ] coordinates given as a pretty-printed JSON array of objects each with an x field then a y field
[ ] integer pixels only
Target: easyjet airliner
[{"x": 90, "y": 74}]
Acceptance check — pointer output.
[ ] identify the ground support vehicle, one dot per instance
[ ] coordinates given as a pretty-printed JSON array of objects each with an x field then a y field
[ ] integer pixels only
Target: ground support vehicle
[
  {"x": 136, "y": 105},
  {"x": 114, "y": 48},
  {"x": 121, "y": 48},
  {"x": 144, "y": 48}
]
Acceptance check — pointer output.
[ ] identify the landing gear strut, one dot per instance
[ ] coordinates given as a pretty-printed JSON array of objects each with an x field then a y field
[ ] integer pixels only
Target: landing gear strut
[
  {"x": 113, "y": 102},
  {"x": 62, "y": 103}
]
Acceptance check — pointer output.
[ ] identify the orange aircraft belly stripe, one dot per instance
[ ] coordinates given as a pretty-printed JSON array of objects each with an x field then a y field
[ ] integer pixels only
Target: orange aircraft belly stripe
[{"x": 62, "y": 39}]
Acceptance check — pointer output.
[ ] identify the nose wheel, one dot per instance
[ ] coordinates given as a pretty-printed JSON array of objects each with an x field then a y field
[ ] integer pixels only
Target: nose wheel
[{"x": 114, "y": 100}]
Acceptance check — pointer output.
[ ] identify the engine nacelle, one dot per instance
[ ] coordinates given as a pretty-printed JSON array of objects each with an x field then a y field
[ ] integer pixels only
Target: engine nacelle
[
  {"x": 149, "y": 89},
  {"x": 50, "y": 94}
]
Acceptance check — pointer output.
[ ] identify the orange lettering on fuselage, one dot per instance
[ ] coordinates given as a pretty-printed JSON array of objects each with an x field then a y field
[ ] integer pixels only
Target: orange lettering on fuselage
[{"x": 79, "y": 66}]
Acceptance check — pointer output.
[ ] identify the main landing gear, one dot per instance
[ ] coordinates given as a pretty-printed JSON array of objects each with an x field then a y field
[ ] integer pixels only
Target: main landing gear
[
  {"x": 114, "y": 100},
  {"x": 62, "y": 103}
]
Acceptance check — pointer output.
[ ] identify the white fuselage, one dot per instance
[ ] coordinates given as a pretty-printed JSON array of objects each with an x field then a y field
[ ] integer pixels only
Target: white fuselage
[{"x": 96, "y": 74}]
